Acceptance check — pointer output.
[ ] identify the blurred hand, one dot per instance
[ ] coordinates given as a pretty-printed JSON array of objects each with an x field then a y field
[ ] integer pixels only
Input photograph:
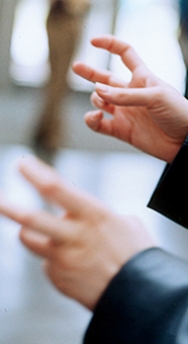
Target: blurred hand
[
  {"x": 86, "y": 246},
  {"x": 146, "y": 112}
]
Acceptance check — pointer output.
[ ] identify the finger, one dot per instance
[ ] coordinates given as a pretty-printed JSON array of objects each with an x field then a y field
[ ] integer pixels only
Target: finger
[
  {"x": 100, "y": 103},
  {"x": 50, "y": 185},
  {"x": 41, "y": 221},
  {"x": 128, "y": 55},
  {"x": 128, "y": 97},
  {"x": 59, "y": 229},
  {"x": 95, "y": 75},
  {"x": 38, "y": 243},
  {"x": 10, "y": 210},
  {"x": 46, "y": 224},
  {"x": 96, "y": 122}
]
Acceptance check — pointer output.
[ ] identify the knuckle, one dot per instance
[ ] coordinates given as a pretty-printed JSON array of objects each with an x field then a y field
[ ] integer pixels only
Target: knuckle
[
  {"x": 50, "y": 187},
  {"x": 92, "y": 76},
  {"x": 159, "y": 95},
  {"x": 159, "y": 91},
  {"x": 93, "y": 97},
  {"x": 119, "y": 95},
  {"x": 26, "y": 219},
  {"x": 125, "y": 48}
]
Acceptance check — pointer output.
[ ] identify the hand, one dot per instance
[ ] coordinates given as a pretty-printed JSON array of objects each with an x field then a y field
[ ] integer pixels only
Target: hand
[
  {"x": 146, "y": 112},
  {"x": 86, "y": 246}
]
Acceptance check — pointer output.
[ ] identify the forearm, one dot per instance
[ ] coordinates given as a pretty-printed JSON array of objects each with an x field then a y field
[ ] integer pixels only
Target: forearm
[{"x": 145, "y": 303}]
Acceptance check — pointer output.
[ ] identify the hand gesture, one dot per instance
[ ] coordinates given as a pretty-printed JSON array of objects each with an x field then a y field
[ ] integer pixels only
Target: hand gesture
[
  {"x": 146, "y": 112},
  {"x": 86, "y": 245}
]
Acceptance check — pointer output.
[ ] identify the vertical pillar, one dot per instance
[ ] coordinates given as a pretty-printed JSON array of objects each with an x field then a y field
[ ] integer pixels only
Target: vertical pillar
[{"x": 7, "y": 10}]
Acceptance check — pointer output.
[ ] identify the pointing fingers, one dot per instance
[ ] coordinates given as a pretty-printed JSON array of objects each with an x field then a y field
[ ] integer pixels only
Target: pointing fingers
[{"x": 51, "y": 186}]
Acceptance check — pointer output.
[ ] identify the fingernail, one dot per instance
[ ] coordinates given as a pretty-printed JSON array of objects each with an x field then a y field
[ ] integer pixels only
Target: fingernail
[{"x": 102, "y": 88}]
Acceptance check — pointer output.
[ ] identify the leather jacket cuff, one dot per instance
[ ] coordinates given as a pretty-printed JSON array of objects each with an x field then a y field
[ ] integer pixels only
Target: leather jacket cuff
[{"x": 170, "y": 195}]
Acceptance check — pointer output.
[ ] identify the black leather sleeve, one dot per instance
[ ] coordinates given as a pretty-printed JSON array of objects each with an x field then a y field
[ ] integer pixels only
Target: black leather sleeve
[
  {"x": 146, "y": 303},
  {"x": 170, "y": 195}
]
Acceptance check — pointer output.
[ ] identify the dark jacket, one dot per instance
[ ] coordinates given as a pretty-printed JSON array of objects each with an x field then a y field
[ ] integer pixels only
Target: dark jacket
[
  {"x": 183, "y": 10},
  {"x": 147, "y": 301}
]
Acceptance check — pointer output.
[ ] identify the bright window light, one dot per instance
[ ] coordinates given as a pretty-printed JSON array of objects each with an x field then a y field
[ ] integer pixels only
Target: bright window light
[{"x": 29, "y": 46}]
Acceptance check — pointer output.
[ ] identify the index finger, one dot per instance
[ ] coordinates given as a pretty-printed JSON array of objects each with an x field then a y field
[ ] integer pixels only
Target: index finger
[
  {"x": 40, "y": 221},
  {"x": 115, "y": 46},
  {"x": 96, "y": 75}
]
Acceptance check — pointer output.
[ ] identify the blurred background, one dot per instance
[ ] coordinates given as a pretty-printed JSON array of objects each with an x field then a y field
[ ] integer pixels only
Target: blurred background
[{"x": 42, "y": 104}]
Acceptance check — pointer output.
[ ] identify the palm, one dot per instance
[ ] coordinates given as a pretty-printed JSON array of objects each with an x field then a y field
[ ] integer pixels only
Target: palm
[
  {"x": 141, "y": 126},
  {"x": 135, "y": 126}
]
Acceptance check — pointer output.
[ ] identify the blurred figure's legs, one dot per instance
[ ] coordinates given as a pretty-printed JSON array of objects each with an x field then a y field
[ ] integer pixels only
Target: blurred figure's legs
[
  {"x": 64, "y": 30},
  {"x": 183, "y": 41}
]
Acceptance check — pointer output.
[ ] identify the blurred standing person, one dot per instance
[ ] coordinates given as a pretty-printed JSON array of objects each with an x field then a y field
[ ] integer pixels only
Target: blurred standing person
[
  {"x": 64, "y": 27},
  {"x": 183, "y": 38}
]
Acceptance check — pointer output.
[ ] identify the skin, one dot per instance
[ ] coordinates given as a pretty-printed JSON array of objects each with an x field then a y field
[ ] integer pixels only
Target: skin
[
  {"x": 145, "y": 112},
  {"x": 85, "y": 247}
]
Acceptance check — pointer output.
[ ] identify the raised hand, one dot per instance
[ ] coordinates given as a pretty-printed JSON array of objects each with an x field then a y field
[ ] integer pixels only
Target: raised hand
[
  {"x": 146, "y": 112},
  {"x": 86, "y": 246}
]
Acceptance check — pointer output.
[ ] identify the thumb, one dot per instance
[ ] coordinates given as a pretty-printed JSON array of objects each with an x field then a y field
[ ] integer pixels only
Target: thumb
[{"x": 128, "y": 96}]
